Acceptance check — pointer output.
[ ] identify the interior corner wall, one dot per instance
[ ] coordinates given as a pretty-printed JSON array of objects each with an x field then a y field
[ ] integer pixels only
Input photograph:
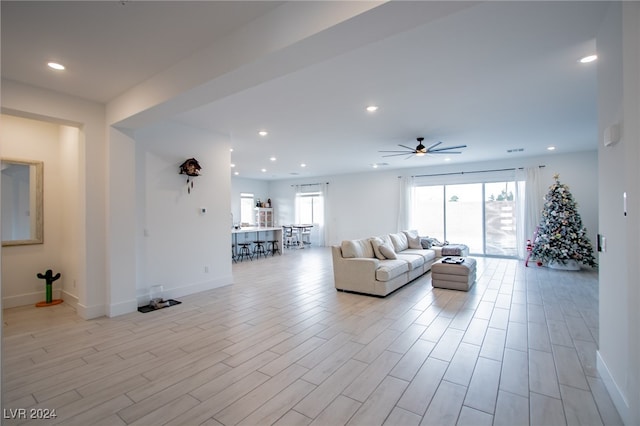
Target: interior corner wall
[
  {"x": 121, "y": 224},
  {"x": 32, "y": 102},
  {"x": 618, "y": 45},
  {"x": 180, "y": 247},
  {"x": 69, "y": 203}
]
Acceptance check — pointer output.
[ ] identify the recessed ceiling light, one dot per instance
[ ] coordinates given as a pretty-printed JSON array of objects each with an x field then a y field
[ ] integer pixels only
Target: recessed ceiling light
[
  {"x": 272, "y": 158},
  {"x": 551, "y": 148},
  {"x": 236, "y": 173},
  {"x": 232, "y": 165},
  {"x": 372, "y": 108},
  {"x": 263, "y": 170},
  {"x": 589, "y": 58},
  {"x": 375, "y": 166},
  {"x": 447, "y": 159},
  {"x": 230, "y": 149},
  {"x": 56, "y": 66},
  {"x": 303, "y": 165},
  {"x": 263, "y": 133}
]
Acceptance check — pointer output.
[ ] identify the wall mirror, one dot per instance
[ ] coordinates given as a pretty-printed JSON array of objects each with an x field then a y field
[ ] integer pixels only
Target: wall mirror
[{"x": 22, "y": 215}]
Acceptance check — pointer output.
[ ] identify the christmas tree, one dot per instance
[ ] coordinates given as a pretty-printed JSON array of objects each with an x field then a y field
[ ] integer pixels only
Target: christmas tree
[{"x": 561, "y": 236}]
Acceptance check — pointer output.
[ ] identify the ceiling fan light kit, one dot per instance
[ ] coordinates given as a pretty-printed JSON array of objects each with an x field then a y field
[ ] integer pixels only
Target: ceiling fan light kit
[{"x": 420, "y": 150}]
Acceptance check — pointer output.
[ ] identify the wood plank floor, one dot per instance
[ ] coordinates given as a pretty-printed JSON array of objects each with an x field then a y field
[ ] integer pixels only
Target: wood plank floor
[{"x": 281, "y": 346}]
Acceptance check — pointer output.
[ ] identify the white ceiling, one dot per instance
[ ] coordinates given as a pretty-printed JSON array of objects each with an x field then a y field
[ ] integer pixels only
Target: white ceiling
[{"x": 494, "y": 76}]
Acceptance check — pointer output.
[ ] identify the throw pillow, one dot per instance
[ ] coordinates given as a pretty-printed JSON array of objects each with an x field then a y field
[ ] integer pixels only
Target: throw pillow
[
  {"x": 350, "y": 249},
  {"x": 425, "y": 243},
  {"x": 399, "y": 241},
  {"x": 387, "y": 251},
  {"x": 376, "y": 242},
  {"x": 413, "y": 239}
]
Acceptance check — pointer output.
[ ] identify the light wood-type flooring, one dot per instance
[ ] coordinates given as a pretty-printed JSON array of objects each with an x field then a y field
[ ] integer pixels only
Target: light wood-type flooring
[{"x": 281, "y": 346}]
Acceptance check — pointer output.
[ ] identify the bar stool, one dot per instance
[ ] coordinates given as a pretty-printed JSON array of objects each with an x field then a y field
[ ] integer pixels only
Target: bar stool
[
  {"x": 273, "y": 247},
  {"x": 290, "y": 238},
  {"x": 234, "y": 256},
  {"x": 305, "y": 236},
  {"x": 258, "y": 248},
  {"x": 244, "y": 251}
]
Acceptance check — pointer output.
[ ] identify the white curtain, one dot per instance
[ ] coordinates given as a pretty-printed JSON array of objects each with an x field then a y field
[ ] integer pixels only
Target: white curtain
[
  {"x": 534, "y": 200},
  {"x": 529, "y": 206},
  {"x": 405, "y": 203}
]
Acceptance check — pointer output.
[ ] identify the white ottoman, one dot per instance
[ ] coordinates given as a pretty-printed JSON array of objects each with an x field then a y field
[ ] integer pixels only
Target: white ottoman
[{"x": 454, "y": 276}]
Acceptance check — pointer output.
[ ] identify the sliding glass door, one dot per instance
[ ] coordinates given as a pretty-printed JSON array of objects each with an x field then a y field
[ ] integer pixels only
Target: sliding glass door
[
  {"x": 463, "y": 215},
  {"x": 480, "y": 215},
  {"x": 500, "y": 219}
]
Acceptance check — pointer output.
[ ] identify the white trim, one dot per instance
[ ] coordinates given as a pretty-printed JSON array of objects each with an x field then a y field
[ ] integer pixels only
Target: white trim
[
  {"x": 28, "y": 298},
  {"x": 90, "y": 312},
  {"x": 617, "y": 396},
  {"x": 70, "y": 300}
]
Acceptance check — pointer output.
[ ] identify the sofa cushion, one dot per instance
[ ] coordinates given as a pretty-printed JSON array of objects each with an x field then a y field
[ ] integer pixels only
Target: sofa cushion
[
  {"x": 390, "y": 269},
  {"x": 427, "y": 255},
  {"x": 357, "y": 248},
  {"x": 399, "y": 241},
  {"x": 387, "y": 251},
  {"x": 376, "y": 242},
  {"x": 415, "y": 261},
  {"x": 413, "y": 239}
]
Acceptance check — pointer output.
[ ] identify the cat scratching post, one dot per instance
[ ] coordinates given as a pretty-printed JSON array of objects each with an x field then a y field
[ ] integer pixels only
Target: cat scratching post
[{"x": 50, "y": 278}]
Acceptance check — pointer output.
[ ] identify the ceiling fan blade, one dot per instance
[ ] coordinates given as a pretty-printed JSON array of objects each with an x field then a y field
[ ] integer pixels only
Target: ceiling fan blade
[
  {"x": 409, "y": 148},
  {"x": 448, "y": 148},
  {"x": 396, "y": 155},
  {"x": 397, "y": 151},
  {"x": 433, "y": 146}
]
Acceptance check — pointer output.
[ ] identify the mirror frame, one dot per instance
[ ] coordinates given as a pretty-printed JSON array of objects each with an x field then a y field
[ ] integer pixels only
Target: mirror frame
[{"x": 38, "y": 235}]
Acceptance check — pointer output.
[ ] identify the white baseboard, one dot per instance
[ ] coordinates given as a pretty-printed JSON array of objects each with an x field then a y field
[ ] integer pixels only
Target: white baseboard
[
  {"x": 122, "y": 308},
  {"x": 27, "y": 299},
  {"x": 617, "y": 396},
  {"x": 70, "y": 300},
  {"x": 90, "y": 312}
]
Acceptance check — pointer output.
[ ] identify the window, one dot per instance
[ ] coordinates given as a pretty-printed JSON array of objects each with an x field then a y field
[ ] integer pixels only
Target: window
[
  {"x": 246, "y": 208},
  {"x": 480, "y": 215},
  {"x": 309, "y": 207}
]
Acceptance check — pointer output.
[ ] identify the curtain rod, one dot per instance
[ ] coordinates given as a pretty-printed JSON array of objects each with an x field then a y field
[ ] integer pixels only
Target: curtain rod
[
  {"x": 310, "y": 184},
  {"x": 475, "y": 171}
]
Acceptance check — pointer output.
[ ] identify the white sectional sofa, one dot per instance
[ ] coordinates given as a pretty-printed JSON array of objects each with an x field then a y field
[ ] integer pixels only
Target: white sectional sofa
[{"x": 380, "y": 265}]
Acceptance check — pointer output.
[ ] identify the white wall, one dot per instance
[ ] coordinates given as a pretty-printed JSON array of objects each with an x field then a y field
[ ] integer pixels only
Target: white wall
[
  {"x": 618, "y": 45},
  {"x": 175, "y": 241},
  {"x": 56, "y": 147},
  {"x": 367, "y": 204}
]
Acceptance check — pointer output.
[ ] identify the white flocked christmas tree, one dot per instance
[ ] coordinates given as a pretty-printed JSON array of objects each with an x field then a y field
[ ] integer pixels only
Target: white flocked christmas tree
[{"x": 561, "y": 238}]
